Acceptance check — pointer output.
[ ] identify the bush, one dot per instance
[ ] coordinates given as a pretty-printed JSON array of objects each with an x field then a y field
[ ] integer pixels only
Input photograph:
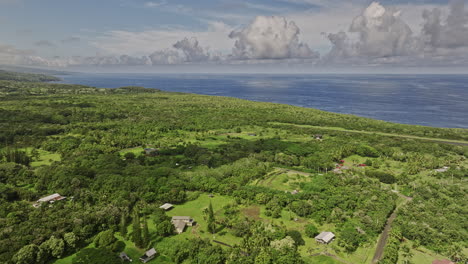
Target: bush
[
  {"x": 311, "y": 230},
  {"x": 118, "y": 246}
]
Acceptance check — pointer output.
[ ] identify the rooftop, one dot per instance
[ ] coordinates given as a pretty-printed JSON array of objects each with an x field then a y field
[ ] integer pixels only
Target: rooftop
[
  {"x": 183, "y": 218},
  {"x": 325, "y": 236},
  {"x": 51, "y": 197},
  {"x": 166, "y": 206}
]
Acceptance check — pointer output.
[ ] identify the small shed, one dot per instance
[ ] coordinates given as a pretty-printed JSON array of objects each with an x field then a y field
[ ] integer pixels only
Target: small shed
[
  {"x": 124, "y": 257},
  {"x": 166, "y": 206},
  {"x": 325, "y": 237},
  {"x": 294, "y": 192},
  {"x": 149, "y": 255}
]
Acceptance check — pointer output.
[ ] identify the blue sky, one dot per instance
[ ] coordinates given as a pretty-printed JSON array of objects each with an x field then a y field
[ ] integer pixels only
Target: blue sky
[{"x": 59, "y": 30}]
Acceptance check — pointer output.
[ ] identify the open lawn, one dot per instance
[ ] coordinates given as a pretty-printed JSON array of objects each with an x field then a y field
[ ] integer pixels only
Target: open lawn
[
  {"x": 44, "y": 158},
  {"x": 284, "y": 179},
  {"x": 321, "y": 260},
  {"x": 195, "y": 209}
]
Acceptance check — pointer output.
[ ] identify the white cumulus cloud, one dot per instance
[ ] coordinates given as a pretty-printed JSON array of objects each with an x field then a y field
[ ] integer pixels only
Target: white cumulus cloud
[{"x": 270, "y": 37}]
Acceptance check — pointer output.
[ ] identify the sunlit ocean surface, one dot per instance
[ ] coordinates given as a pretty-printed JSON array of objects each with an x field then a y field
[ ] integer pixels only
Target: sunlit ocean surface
[{"x": 429, "y": 100}]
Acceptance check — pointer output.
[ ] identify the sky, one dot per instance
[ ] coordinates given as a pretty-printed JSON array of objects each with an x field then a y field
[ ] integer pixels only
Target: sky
[{"x": 141, "y": 35}]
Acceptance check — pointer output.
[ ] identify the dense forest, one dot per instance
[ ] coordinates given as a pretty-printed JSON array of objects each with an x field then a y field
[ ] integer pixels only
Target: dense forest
[{"x": 261, "y": 179}]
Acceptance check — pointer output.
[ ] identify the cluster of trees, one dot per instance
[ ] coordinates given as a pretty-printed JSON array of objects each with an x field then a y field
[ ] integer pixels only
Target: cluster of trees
[{"x": 89, "y": 127}]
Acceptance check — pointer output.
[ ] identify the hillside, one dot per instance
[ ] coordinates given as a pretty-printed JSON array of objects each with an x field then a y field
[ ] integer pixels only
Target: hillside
[
  {"x": 274, "y": 175},
  {"x": 26, "y": 77}
]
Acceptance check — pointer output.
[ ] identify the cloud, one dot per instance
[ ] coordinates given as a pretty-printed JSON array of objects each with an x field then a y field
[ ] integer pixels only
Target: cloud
[
  {"x": 44, "y": 43},
  {"x": 270, "y": 38},
  {"x": 383, "y": 37},
  {"x": 152, "y": 4},
  {"x": 380, "y": 33},
  {"x": 11, "y": 55},
  {"x": 187, "y": 50},
  {"x": 72, "y": 39},
  {"x": 449, "y": 34},
  {"x": 146, "y": 42}
]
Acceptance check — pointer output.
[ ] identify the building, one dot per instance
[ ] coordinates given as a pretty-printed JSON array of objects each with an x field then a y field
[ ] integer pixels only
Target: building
[
  {"x": 294, "y": 192},
  {"x": 325, "y": 237},
  {"x": 166, "y": 206},
  {"x": 49, "y": 199},
  {"x": 149, "y": 255},
  {"x": 180, "y": 222},
  {"x": 124, "y": 257}
]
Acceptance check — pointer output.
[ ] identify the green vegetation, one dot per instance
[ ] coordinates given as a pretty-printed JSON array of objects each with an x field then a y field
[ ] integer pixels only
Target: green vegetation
[
  {"x": 26, "y": 77},
  {"x": 257, "y": 183}
]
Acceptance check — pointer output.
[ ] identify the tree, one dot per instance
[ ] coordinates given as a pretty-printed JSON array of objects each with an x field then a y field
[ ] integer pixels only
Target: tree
[
  {"x": 296, "y": 236},
  {"x": 70, "y": 239},
  {"x": 285, "y": 243},
  {"x": 26, "y": 254},
  {"x": 311, "y": 230},
  {"x": 407, "y": 254},
  {"x": 263, "y": 257},
  {"x": 54, "y": 246},
  {"x": 164, "y": 228},
  {"x": 145, "y": 235},
  {"x": 96, "y": 256},
  {"x": 136, "y": 233},
  {"x": 123, "y": 225},
  {"x": 105, "y": 239},
  {"x": 211, "y": 220}
]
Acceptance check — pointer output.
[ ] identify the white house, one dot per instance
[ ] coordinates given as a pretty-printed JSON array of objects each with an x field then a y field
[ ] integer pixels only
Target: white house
[{"x": 325, "y": 237}]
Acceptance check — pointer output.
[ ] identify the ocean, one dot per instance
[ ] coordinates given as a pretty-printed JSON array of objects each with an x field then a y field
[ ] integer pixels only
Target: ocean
[{"x": 428, "y": 100}]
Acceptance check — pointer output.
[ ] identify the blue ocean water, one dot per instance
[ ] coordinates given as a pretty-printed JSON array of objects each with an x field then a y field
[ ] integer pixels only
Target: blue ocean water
[{"x": 429, "y": 100}]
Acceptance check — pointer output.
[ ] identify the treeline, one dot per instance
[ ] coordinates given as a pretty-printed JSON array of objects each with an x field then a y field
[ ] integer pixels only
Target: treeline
[{"x": 26, "y": 77}]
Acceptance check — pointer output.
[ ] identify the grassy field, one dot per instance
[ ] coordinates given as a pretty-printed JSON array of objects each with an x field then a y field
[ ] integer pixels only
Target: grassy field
[
  {"x": 284, "y": 179},
  {"x": 44, "y": 157},
  {"x": 195, "y": 209},
  {"x": 321, "y": 260}
]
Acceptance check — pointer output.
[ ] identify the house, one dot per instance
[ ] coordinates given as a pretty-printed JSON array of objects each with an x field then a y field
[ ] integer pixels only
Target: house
[
  {"x": 318, "y": 137},
  {"x": 124, "y": 257},
  {"x": 166, "y": 206},
  {"x": 49, "y": 199},
  {"x": 325, "y": 237},
  {"x": 149, "y": 255},
  {"x": 151, "y": 151},
  {"x": 180, "y": 222},
  {"x": 443, "y": 261}
]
